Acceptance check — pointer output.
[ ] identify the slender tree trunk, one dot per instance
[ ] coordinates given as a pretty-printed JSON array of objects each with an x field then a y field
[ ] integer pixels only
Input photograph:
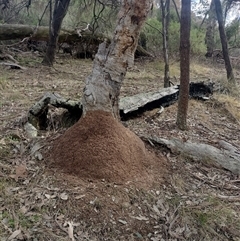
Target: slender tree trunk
[
  {"x": 211, "y": 24},
  {"x": 165, "y": 25},
  {"x": 184, "y": 64},
  {"x": 60, "y": 10},
  {"x": 228, "y": 66},
  {"x": 111, "y": 62}
]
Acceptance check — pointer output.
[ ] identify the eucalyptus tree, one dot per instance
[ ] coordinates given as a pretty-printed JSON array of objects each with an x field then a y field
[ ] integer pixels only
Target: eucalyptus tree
[
  {"x": 224, "y": 42},
  {"x": 165, "y": 7},
  {"x": 184, "y": 64},
  {"x": 102, "y": 88},
  {"x": 210, "y": 30},
  {"x": 59, "y": 12}
]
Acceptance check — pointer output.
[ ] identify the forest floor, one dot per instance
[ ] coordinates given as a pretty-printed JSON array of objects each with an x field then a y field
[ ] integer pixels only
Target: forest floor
[{"x": 187, "y": 200}]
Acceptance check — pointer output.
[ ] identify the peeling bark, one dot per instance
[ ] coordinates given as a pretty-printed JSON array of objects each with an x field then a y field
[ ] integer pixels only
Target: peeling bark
[{"x": 110, "y": 65}]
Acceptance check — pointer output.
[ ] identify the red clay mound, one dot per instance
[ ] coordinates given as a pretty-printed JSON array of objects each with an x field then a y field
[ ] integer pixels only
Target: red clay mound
[{"x": 99, "y": 147}]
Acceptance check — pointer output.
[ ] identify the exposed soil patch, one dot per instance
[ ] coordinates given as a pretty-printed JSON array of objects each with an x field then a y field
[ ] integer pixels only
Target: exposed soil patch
[{"x": 100, "y": 147}]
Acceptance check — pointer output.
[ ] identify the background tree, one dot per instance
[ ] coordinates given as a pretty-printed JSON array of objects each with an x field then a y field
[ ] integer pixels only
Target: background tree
[
  {"x": 60, "y": 10},
  {"x": 165, "y": 7},
  {"x": 233, "y": 33},
  {"x": 184, "y": 64},
  {"x": 228, "y": 66},
  {"x": 211, "y": 24}
]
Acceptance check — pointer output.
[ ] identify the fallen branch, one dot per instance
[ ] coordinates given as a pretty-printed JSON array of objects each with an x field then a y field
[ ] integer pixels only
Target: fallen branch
[
  {"x": 129, "y": 106},
  {"x": 228, "y": 159},
  {"x": 37, "y": 114},
  {"x": 229, "y": 198},
  {"x": 13, "y": 65}
]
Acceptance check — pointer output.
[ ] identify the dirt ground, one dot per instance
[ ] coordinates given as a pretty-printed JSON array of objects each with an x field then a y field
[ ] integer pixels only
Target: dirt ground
[{"x": 180, "y": 200}]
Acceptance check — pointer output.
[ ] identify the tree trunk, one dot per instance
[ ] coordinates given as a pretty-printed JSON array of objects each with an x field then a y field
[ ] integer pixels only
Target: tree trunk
[
  {"x": 184, "y": 64},
  {"x": 98, "y": 145},
  {"x": 224, "y": 42},
  {"x": 110, "y": 65},
  {"x": 165, "y": 25},
  {"x": 211, "y": 23},
  {"x": 60, "y": 10}
]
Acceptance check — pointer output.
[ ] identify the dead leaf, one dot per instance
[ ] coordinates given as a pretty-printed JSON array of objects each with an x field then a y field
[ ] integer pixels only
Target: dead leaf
[
  {"x": 155, "y": 208},
  {"x": 24, "y": 209},
  {"x": 140, "y": 218},
  {"x": 21, "y": 171},
  {"x": 14, "y": 234},
  {"x": 64, "y": 196},
  {"x": 80, "y": 196},
  {"x": 47, "y": 196},
  {"x": 70, "y": 230},
  {"x": 122, "y": 221}
]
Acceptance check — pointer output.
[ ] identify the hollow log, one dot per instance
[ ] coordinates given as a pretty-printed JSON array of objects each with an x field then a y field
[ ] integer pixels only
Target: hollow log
[
  {"x": 37, "y": 114},
  {"x": 129, "y": 107}
]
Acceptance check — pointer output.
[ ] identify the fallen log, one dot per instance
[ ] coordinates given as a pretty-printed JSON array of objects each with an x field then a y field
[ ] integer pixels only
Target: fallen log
[
  {"x": 227, "y": 158},
  {"x": 12, "y": 65},
  {"x": 129, "y": 106},
  {"x": 38, "y": 113},
  {"x": 139, "y": 103},
  {"x": 41, "y": 33}
]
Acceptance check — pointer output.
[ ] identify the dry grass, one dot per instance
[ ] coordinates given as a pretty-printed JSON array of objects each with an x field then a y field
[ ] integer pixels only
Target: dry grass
[
  {"x": 187, "y": 206},
  {"x": 3, "y": 81},
  {"x": 231, "y": 104}
]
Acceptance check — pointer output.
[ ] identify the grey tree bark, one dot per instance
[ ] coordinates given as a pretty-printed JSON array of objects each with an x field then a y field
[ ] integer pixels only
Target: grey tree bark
[
  {"x": 228, "y": 65},
  {"x": 111, "y": 62},
  {"x": 184, "y": 64},
  {"x": 211, "y": 24},
  {"x": 165, "y": 6},
  {"x": 59, "y": 12}
]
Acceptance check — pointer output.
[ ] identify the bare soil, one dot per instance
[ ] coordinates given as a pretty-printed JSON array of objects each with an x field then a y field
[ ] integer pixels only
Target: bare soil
[
  {"x": 154, "y": 196},
  {"x": 100, "y": 147}
]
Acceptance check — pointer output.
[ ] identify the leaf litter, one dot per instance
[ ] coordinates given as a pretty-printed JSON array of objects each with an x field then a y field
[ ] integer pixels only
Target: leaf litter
[{"x": 194, "y": 202}]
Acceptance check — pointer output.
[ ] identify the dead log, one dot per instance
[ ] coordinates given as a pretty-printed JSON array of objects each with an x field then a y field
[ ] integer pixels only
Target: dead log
[
  {"x": 38, "y": 113},
  {"x": 13, "y": 65},
  {"x": 227, "y": 158},
  {"x": 18, "y": 31},
  {"x": 129, "y": 106},
  {"x": 141, "y": 52},
  {"x": 27, "y": 32},
  {"x": 137, "y": 104}
]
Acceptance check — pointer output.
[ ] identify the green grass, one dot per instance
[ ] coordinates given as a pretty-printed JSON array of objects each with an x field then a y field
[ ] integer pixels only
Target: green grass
[{"x": 214, "y": 212}]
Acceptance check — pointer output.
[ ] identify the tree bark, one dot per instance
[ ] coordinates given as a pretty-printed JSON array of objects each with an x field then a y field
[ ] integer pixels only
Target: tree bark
[
  {"x": 228, "y": 66},
  {"x": 110, "y": 64},
  {"x": 165, "y": 25},
  {"x": 211, "y": 24},
  {"x": 60, "y": 10},
  {"x": 184, "y": 64}
]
